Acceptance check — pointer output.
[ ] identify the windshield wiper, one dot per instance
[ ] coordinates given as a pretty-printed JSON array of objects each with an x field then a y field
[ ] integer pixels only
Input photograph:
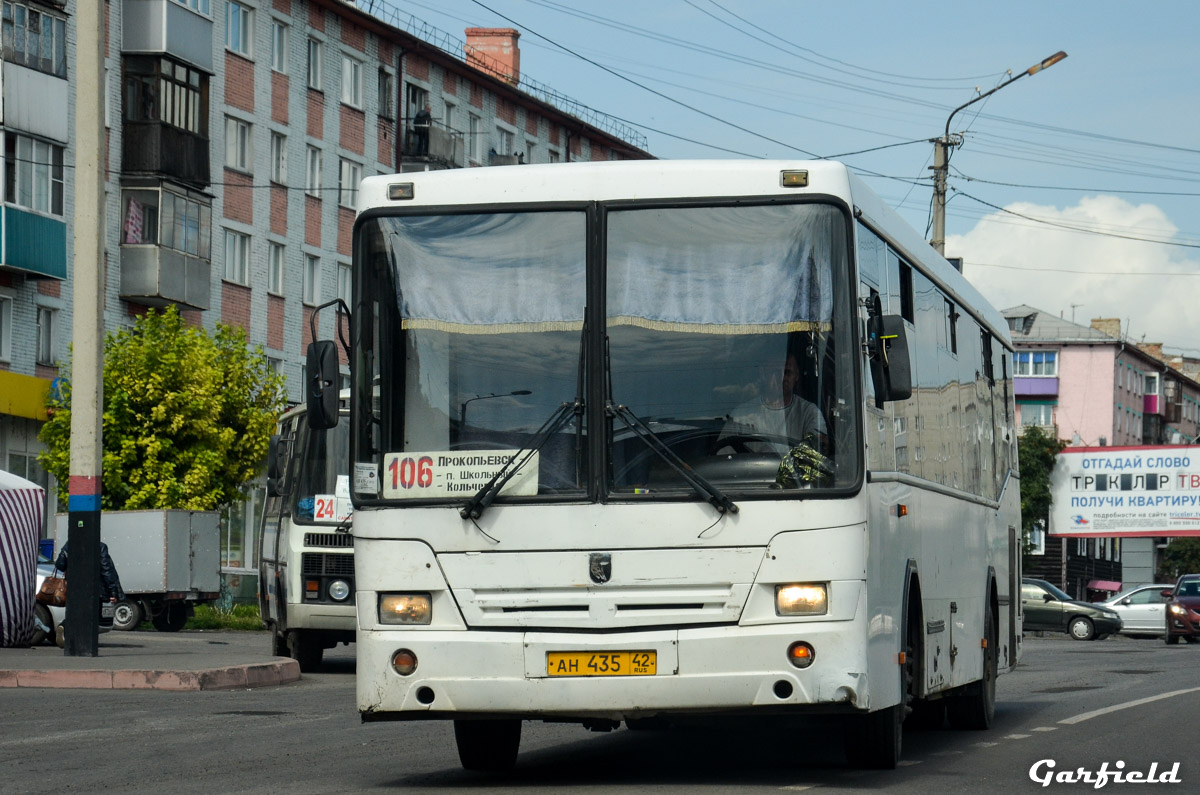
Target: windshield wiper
[
  {"x": 484, "y": 497},
  {"x": 694, "y": 479}
]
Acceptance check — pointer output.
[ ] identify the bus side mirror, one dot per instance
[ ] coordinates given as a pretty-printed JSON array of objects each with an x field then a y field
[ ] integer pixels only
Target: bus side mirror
[
  {"x": 321, "y": 391},
  {"x": 890, "y": 368},
  {"x": 276, "y": 459}
]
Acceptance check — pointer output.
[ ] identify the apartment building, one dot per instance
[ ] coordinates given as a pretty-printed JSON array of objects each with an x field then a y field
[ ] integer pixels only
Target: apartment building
[
  {"x": 1092, "y": 387},
  {"x": 237, "y": 133}
]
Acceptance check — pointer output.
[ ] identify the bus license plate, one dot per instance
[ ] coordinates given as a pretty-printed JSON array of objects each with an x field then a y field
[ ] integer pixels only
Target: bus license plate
[{"x": 601, "y": 663}]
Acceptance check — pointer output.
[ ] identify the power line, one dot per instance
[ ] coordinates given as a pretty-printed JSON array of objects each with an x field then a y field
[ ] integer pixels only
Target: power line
[{"x": 1077, "y": 229}]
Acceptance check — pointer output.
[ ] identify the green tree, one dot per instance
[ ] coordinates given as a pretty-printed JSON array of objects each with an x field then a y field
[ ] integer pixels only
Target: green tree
[
  {"x": 187, "y": 416},
  {"x": 1182, "y": 556},
  {"x": 1036, "y": 456}
]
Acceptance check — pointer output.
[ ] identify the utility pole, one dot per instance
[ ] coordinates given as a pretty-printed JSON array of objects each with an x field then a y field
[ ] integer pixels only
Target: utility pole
[
  {"x": 941, "y": 153},
  {"x": 82, "y": 630}
]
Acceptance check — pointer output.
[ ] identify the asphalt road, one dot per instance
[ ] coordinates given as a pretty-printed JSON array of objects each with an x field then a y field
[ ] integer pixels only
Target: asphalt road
[{"x": 1078, "y": 705}]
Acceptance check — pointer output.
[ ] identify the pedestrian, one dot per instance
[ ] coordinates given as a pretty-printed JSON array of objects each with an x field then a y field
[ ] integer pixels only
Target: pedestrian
[
  {"x": 421, "y": 125},
  {"x": 110, "y": 582}
]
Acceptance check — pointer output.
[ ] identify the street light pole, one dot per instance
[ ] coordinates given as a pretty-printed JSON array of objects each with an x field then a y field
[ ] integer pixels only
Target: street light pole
[{"x": 941, "y": 152}]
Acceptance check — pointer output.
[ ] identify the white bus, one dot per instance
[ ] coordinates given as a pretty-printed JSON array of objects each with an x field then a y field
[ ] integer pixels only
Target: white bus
[
  {"x": 656, "y": 440},
  {"x": 306, "y": 553}
]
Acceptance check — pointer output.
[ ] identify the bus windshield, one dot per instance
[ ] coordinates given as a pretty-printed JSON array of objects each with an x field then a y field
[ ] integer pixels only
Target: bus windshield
[
  {"x": 727, "y": 330},
  {"x": 322, "y": 491}
]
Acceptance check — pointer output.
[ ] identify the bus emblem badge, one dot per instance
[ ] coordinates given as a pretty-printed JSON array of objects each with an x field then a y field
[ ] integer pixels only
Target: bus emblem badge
[{"x": 600, "y": 567}]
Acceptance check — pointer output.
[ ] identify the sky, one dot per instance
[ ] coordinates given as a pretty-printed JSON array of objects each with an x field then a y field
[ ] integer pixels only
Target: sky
[{"x": 1076, "y": 190}]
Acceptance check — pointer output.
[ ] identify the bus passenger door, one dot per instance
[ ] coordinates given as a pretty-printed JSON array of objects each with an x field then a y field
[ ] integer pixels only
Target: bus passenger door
[{"x": 270, "y": 572}]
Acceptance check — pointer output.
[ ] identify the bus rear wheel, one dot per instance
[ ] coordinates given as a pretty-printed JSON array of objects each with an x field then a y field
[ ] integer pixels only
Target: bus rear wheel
[
  {"x": 488, "y": 745},
  {"x": 975, "y": 708}
]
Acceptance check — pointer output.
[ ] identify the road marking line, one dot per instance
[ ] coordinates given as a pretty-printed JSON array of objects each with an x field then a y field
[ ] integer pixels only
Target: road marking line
[
  {"x": 1118, "y": 707},
  {"x": 798, "y": 787},
  {"x": 1016, "y": 736},
  {"x": 908, "y": 762},
  {"x": 985, "y": 745},
  {"x": 1045, "y": 729}
]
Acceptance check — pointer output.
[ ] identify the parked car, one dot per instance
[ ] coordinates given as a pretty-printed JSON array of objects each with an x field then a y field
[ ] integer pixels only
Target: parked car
[
  {"x": 1049, "y": 609},
  {"x": 1142, "y": 609},
  {"x": 1183, "y": 609},
  {"x": 48, "y": 618}
]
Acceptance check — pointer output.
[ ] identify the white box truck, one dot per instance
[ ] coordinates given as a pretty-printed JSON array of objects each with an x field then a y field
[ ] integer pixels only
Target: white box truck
[{"x": 168, "y": 562}]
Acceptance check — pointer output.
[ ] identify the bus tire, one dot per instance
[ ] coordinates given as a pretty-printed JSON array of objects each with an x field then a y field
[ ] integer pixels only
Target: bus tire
[
  {"x": 306, "y": 650},
  {"x": 488, "y": 745},
  {"x": 976, "y": 707}
]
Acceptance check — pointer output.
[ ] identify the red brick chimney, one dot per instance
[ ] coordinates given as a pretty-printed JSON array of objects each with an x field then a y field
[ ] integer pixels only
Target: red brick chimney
[
  {"x": 1108, "y": 325},
  {"x": 1153, "y": 348},
  {"x": 495, "y": 51}
]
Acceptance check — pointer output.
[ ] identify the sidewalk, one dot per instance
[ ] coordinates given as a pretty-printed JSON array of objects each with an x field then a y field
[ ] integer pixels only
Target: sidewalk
[{"x": 188, "y": 660}]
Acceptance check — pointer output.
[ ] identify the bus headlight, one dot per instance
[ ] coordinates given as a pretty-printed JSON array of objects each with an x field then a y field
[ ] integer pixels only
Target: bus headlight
[
  {"x": 405, "y": 608},
  {"x": 339, "y": 590},
  {"x": 801, "y": 599}
]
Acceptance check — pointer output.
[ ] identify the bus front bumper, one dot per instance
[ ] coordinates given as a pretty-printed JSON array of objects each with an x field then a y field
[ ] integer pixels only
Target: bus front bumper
[{"x": 698, "y": 670}]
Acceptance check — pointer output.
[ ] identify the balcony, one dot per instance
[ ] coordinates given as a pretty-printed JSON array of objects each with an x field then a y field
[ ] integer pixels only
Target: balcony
[
  {"x": 33, "y": 243},
  {"x": 165, "y": 239},
  {"x": 1037, "y": 386},
  {"x": 164, "y": 26},
  {"x": 153, "y": 147},
  {"x": 445, "y": 148}
]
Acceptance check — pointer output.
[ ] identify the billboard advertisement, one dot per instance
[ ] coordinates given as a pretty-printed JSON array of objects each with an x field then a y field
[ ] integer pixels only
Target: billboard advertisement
[{"x": 1126, "y": 491}]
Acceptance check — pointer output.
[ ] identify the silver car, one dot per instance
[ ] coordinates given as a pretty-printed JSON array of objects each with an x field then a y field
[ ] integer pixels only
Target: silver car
[{"x": 1142, "y": 609}]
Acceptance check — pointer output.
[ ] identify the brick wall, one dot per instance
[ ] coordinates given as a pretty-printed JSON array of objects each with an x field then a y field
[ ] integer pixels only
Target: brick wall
[
  {"x": 239, "y": 83},
  {"x": 316, "y": 114},
  {"x": 352, "y": 124},
  {"x": 275, "y": 307},
  {"x": 239, "y": 197},
  {"x": 235, "y": 305},
  {"x": 279, "y": 206},
  {"x": 280, "y": 85},
  {"x": 312, "y": 221}
]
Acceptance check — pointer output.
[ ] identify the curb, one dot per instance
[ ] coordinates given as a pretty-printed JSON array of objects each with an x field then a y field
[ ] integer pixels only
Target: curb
[{"x": 231, "y": 678}]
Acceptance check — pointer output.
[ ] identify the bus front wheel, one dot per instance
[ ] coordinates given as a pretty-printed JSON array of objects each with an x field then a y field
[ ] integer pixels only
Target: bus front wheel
[{"x": 488, "y": 745}]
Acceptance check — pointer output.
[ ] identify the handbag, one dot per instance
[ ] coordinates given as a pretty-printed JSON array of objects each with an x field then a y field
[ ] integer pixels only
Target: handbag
[{"x": 53, "y": 590}]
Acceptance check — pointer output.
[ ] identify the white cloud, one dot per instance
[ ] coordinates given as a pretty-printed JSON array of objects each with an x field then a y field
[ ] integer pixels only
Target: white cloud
[{"x": 1114, "y": 278}]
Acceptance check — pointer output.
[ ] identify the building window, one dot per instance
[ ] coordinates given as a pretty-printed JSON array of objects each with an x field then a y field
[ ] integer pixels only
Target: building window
[
  {"x": 279, "y": 46},
  {"x": 349, "y": 175},
  {"x": 34, "y": 39},
  {"x": 237, "y": 257},
  {"x": 46, "y": 318},
  {"x": 316, "y": 55},
  {"x": 312, "y": 279},
  {"x": 238, "y": 521},
  {"x": 1037, "y": 539},
  {"x": 239, "y": 144},
  {"x": 1035, "y": 363},
  {"x": 33, "y": 174},
  {"x": 201, "y": 6},
  {"x": 351, "y": 81},
  {"x": 275, "y": 262},
  {"x": 530, "y": 151},
  {"x": 1037, "y": 414},
  {"x": 417, "y": 98},
  {"x": 278, "y": 158},
  {"x": 343, "y": 282},
  {"x": 6, "y": 312},
  {"x": 159, "y": 89},
  {"x": 312, "y": 178},
  {"x": 239, "y": 28},
  {"x": 387, "y": 94},
  {"x": 473, "y": 135},
  {"x": 554, "y": 156},
  {"x": 504, "y": 142}
]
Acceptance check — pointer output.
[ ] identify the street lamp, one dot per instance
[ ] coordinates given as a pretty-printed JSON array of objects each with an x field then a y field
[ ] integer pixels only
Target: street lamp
[
  {"x": 462, "y": 412},
  {"x": 941, "y": 153}
]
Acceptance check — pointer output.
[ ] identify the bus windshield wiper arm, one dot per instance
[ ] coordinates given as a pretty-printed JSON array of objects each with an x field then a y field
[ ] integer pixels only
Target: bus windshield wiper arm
[
  {"x": 484, "y": 497},
  {"x": 694, "y": 479}
]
